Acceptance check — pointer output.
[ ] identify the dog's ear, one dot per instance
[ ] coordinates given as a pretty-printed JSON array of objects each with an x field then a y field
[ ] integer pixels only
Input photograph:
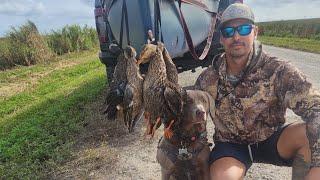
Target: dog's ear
[{"x": 211, "y": 107}]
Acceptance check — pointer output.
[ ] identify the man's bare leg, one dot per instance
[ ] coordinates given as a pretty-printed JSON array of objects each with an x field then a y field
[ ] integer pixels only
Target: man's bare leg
[
  {"x": 313, "y": 174},
  {"x": 293, "y": 143},
  {"x": 227, "y": 168},
  {"x": 300, "y": 167}
]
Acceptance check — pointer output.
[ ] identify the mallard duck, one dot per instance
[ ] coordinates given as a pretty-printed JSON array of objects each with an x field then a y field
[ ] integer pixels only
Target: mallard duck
[
  {"x": 117, "y": 87},
  {"x": 132, "y": 101},
  {"x": 163, "y": 99},
  {"x": 171, "y": 70}
]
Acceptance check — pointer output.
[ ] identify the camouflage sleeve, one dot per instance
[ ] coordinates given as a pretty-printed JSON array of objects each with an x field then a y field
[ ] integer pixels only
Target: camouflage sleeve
[
  {"x": 207, "y": 81},
  {"x": 298, "y": 95}
]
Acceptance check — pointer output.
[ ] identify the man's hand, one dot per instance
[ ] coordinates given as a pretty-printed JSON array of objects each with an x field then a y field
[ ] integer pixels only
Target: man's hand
[{"x": 314, "y": 174}]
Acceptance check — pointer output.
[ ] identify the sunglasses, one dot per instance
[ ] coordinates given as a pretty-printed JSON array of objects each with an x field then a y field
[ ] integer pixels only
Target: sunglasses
[{"x": 243, "y": 30}]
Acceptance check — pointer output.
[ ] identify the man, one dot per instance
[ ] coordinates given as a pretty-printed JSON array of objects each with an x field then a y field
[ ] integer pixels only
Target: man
[{"x": 252, "y": 91}]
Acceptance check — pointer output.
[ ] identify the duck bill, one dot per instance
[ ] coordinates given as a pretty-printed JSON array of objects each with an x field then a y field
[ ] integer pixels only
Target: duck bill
[
  {"x": 142, "y": 61},
  {"x": 139, "y": 61}
]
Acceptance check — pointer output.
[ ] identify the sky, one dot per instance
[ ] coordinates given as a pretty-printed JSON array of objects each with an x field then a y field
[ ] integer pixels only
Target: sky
[{"x": 51, "y": 15}]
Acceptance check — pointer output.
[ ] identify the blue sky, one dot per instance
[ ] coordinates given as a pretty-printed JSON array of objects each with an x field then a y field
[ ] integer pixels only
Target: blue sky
[{"x": 54, "y": 14}]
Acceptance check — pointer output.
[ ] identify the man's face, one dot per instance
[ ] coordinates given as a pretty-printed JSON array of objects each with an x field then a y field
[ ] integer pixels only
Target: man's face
[{"x": 237, "y": 45}]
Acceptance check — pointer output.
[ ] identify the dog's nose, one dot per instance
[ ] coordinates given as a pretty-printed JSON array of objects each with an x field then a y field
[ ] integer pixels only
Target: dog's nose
[{"x": 200, "y": 114}]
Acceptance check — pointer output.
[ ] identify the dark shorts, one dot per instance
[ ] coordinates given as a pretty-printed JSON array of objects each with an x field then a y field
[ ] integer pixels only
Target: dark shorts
[{"x": 262, "y": 152}]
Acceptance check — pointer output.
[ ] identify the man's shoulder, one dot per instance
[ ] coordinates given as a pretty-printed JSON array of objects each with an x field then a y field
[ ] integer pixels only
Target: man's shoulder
[
  {"x": 278, "y": 63},
  {"x": 207, "y": 78},
  {"x": 270, "y": 59},
  {"x": 288, "y": 75},
  {"x": 272, "y": 63}
]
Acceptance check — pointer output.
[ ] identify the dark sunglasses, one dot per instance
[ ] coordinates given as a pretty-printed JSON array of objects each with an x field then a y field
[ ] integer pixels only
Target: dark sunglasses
[{"x": 243, "y": 30}]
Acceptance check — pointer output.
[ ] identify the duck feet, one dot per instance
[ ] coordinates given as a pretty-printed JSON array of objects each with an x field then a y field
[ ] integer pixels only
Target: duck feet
[
  {"x": 149, "y": 125},
  {"x": 155, "y": 126},
  {"x": 168, "y": 133}
]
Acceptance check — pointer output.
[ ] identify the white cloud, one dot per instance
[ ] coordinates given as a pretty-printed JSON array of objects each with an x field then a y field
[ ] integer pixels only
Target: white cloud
[
  {"x": 284, "y": 9},
  {"x": 21, "y": 7},
  {"x": 88, "y": 2},
  {"x": 54, "y": 14}
]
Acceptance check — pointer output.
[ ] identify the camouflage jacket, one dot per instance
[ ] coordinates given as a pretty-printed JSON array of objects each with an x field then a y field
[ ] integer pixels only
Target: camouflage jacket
[{"x": 255, "y": 107}]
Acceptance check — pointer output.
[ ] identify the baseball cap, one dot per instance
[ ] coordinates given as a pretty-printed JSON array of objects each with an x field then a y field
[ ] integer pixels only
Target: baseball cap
[{"x": 236, "y": 11}]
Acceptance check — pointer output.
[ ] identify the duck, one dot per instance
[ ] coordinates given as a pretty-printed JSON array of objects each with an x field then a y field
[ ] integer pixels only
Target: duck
[
  {"x": 162, "y": 95},
  {"x": 133, "y": 108},
  {"x": 115, "y": 94},
  {"x": 148, "y": 50},
  {"x": 171, "y": 69}
]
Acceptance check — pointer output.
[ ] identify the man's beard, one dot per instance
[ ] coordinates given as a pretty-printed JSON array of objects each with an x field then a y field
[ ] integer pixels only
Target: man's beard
[{"x": 237, "y": 53}]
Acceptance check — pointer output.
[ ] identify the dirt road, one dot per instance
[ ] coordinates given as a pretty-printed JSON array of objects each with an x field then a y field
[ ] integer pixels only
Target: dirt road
[{"x": 106, "y": 151}]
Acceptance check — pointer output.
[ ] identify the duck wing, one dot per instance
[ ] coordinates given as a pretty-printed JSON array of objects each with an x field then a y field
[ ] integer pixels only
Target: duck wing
[
  {"x": 114, "y": 98},
  {"x": 173, "y": 95},
  {"x": 132, "y": 106},
  {"x": 128, "y": 102},
  {"x": 133, "y": 94},
  {"x": 117, "y": 86},
  {"x": 172, "y": 73}
]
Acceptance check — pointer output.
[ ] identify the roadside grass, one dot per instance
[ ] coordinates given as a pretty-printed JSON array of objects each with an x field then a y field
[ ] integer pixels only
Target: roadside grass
[
  {"x": 38, "y": 124},
  {"x": 308, "y": 45},
  {"x": 21, "y": 77}
]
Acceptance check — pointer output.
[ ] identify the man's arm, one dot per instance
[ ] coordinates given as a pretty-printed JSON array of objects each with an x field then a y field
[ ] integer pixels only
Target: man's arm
[
  {"x": 207, "y": 81},
  {"x": 298, "y": 95}
]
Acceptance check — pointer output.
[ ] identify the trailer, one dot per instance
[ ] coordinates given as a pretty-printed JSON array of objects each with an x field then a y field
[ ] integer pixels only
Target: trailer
[{"x": 186, "y": 27}]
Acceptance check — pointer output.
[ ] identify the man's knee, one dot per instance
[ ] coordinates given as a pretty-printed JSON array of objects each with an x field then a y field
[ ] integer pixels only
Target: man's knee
[
  {"x": 227, "y": 168},
  {"x": 293, "y": 140}
]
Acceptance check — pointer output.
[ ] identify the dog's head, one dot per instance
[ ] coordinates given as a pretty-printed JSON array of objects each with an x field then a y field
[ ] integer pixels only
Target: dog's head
[{"x": 198, "y": 107}]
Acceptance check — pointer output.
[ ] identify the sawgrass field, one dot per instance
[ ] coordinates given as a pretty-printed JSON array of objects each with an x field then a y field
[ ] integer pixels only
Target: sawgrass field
[{"x": 302, "y": 34}]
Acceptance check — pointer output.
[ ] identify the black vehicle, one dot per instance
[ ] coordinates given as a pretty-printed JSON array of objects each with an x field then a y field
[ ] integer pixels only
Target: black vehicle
[{"x": 186, "y": 27}]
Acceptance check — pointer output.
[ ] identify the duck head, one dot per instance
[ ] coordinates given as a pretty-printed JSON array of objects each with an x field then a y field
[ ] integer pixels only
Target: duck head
[
  {"x": 148, "y": 51},
  {"x": 130, "y": 53}
]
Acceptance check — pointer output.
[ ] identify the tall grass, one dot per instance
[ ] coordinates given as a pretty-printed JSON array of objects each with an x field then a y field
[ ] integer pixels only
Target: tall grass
[
  {"x": 5, "y": 62},
  {"x": 302, "y": 28},
  {"x": 25, "y": 46},
  {"x": 72, "y": 38}
]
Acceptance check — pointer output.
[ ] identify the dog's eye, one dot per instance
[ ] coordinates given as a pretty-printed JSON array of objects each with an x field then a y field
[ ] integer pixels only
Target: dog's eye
[{"x": 190, "y": 101}]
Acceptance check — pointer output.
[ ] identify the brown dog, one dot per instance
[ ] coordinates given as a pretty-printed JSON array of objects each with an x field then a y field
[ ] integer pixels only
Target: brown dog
[{"x": 186, "y": 154}]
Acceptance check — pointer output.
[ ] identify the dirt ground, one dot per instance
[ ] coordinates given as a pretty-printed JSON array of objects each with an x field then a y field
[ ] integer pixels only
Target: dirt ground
[{"x": 105, "y": 150}]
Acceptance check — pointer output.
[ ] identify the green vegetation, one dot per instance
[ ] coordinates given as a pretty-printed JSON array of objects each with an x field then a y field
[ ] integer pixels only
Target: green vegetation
[
  {"x": 72, "y": 38},
  {"x": 302, "y": 34},
  {"x": 39, "y": 122},
  {"x": 25, "y": 46},
  {"x": 302, "y": 28},
  {"x": 308, "y": 45},
  {"x": 4, "y": 55}
]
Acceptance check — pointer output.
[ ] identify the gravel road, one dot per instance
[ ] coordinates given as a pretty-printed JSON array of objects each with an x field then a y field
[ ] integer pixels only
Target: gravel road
[{"x": 107, "y": 151}]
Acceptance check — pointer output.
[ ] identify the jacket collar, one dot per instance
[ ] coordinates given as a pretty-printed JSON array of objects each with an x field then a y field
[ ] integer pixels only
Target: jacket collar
[{"x": 253, "y": 60}]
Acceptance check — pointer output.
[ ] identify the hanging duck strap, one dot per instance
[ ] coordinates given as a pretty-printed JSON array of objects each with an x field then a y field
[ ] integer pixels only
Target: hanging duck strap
[
  {"x": 157, "y": 21},
  {"x": 189, "y": 39},
  {"x": 124, "y": 17}
]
